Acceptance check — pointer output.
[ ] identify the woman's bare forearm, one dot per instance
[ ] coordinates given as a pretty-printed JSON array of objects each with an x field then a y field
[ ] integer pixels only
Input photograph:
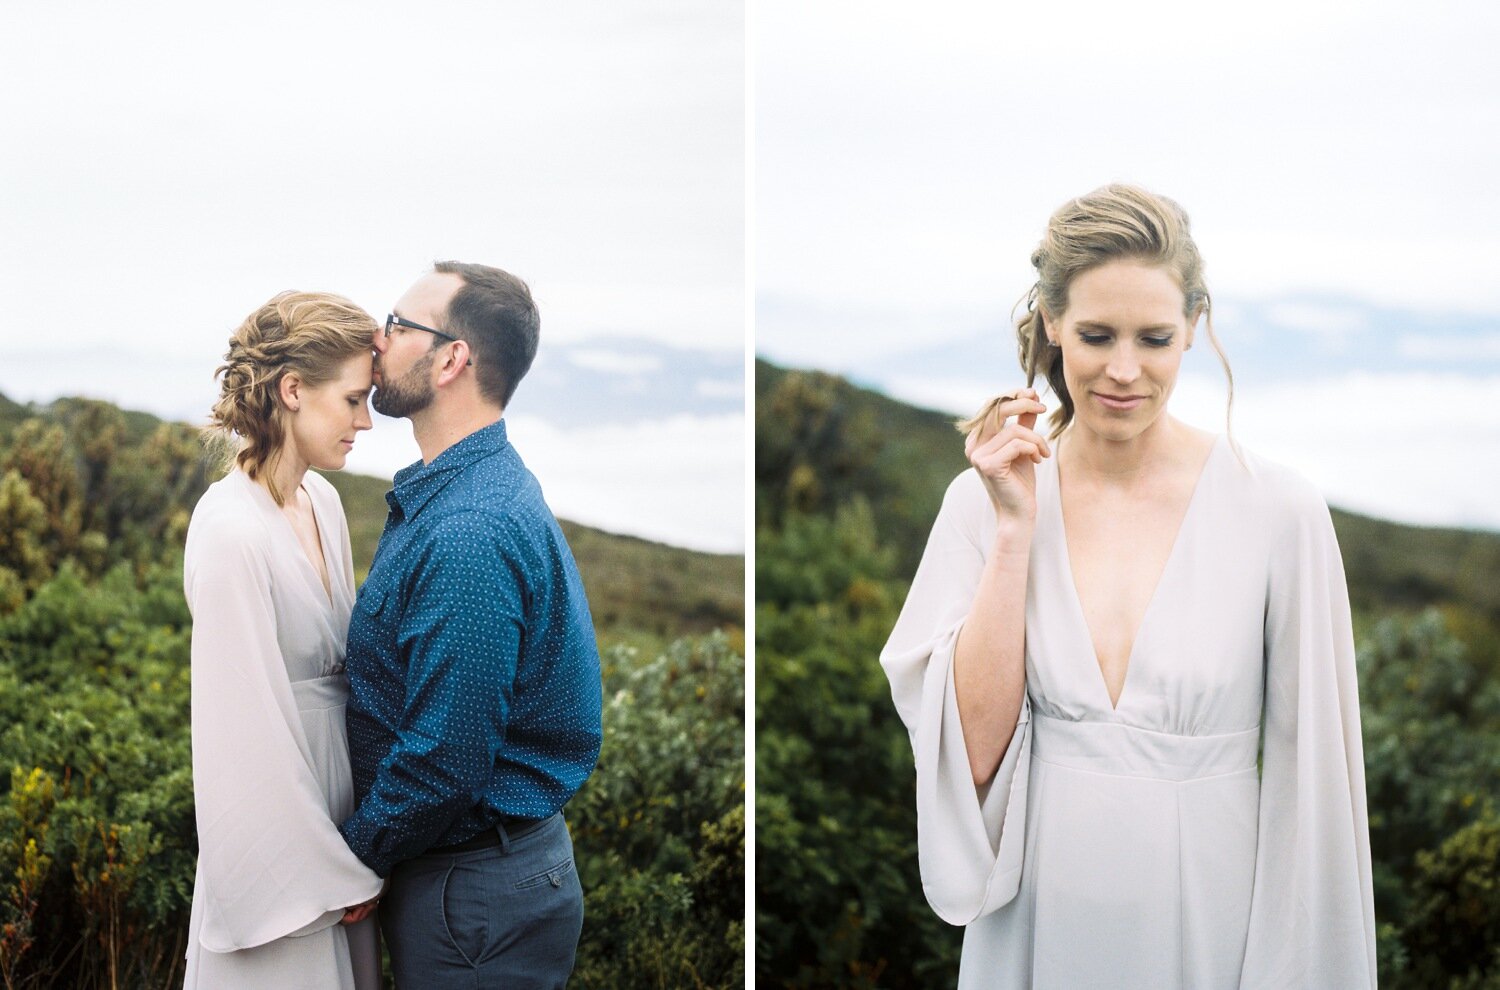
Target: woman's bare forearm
[{"x": 989, "y": 659}]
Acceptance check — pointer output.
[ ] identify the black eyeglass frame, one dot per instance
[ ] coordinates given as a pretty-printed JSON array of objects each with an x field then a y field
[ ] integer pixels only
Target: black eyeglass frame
[{"x": 391, "y": 319}]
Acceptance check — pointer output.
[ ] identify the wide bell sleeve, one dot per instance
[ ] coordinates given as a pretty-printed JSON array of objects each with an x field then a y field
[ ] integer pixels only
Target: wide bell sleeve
[
  {"x": 969, "y": 840},
  {"x": 271, "y": 862},
  {"x": 1312, "y": 916}
]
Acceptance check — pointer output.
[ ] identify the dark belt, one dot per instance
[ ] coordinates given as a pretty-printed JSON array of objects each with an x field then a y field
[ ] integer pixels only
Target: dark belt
[{"x": 501, "y": 834}]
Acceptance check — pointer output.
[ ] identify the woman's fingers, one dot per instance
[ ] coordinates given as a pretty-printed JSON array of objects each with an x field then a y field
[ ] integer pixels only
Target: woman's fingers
[
  {"x": 986, "y": 450},
  {"x": 359, "y": 912},
  {"x": 1001, "y": 409},
  {"x": 1010, "y": 411},
  {"x": 971, "y": 441},
  {"x": 1004, "y": 457}
]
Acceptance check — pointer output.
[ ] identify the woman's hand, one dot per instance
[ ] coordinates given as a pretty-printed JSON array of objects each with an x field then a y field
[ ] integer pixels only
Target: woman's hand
[
  {"x": 1005, "y": 452},
  {"x": 359, "y": 912}
]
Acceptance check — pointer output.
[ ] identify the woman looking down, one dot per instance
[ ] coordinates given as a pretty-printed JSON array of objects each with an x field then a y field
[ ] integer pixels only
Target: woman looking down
[
  {"x": 1105, "y": 623},
  {"x": 270, "y": 583}
]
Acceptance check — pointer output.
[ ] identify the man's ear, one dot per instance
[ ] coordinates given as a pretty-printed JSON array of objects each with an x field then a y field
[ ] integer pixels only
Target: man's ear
[
  {"x": 455, "y": 359},
  {"x": 290, "y": 391}
]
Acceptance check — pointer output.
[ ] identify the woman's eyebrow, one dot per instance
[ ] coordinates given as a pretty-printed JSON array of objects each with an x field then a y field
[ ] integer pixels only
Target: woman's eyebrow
[{"x": 1097, "y": 325}]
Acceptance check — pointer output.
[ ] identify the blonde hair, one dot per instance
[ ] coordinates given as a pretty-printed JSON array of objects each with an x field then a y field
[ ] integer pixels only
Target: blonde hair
[
  {"x": 1113, "y": 223},
  {"x": 307, "y": 333}
]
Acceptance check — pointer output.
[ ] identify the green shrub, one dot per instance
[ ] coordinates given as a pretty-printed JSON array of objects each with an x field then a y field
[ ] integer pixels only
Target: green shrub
[
  {"x": 1431, "y": 723},
  {"x": 659, "y": 829},
  {"x": 1453, "y": 929},
  {"x": 838, "y": 895},
  {"x": 97, "y": 839},
  {"x": 93, "y": 697}
]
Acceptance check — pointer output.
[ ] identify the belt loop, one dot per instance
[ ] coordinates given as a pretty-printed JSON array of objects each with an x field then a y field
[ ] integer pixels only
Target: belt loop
[{"x": 504, "y": 838}]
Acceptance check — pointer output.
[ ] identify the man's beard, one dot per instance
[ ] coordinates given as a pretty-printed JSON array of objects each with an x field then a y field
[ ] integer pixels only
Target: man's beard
[{"x": 407, "y": 395}]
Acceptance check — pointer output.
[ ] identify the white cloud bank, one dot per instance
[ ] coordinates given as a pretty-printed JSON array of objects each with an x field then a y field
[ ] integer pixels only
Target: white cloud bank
[
  {"x": 614, "y": 362},
  {"x": 1416, "y": 448},
  {"x": 679, "y": 480}
]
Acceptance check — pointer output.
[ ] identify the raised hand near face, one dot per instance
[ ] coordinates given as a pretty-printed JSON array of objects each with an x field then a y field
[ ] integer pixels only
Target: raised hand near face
[{"x": 1005, "y": 449}]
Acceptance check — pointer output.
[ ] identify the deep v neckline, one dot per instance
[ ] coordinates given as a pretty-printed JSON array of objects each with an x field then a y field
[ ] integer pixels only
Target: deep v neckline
[
  {"x": 327, "y": 588},
  {"x": 1161, "y": 579},
  {"x": 325, "y": 593}
]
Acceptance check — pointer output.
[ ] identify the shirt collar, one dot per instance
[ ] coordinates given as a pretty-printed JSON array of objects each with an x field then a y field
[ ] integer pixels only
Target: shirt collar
[{"x": 416, "y": 484}]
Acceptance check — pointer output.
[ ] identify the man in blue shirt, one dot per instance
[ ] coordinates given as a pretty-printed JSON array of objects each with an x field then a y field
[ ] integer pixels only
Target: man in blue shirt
[{"x": 474, "y": 708}]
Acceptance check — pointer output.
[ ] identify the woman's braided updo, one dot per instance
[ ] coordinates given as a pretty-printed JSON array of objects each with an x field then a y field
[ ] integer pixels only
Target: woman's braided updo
[{"x": 309, "y": 333}]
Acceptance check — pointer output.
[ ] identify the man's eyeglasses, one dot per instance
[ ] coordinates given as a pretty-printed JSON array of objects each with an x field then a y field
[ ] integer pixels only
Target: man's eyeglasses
[{"x": 392, "y": 320}]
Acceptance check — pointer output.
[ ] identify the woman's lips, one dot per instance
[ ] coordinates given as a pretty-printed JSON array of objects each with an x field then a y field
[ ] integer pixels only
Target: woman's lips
[{"x": 1119, "y": 403}]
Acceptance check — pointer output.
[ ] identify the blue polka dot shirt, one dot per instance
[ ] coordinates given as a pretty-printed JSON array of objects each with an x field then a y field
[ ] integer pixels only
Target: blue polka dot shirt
[{"x": 473, "y": 669}]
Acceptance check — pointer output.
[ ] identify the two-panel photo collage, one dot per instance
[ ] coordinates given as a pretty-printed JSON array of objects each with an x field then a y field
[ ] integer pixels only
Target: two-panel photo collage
[{"x": 639, "y": 495}]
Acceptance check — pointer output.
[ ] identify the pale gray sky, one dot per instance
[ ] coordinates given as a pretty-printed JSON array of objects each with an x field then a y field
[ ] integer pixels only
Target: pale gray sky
[
  {"x": 166, "y": 167},
  {"x": 1338, "y": 160},
  {"x": 908, "y": 155}
]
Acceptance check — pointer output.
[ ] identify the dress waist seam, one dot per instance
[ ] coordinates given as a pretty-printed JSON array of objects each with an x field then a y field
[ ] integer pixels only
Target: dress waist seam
[
  {"x": 1114, "y": 749},
  {"x": 321, "y": 693},
  {"x": 1126, "y": 775},
  {"x": 1040, "y": 716}
]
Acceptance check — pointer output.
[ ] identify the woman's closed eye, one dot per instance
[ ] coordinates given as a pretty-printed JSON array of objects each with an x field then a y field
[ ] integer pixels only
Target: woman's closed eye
[{"x": 1099, "y": 339}]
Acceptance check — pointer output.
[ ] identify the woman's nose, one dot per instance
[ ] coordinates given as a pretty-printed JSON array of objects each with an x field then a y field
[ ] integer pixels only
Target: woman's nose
[{"x": 1124, "y": 366}]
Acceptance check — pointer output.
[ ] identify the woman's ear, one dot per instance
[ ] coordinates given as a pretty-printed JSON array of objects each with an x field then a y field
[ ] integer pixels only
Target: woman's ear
[
  {"x": 290, "y": 391},
  {"x": 1048, "y": 328}
]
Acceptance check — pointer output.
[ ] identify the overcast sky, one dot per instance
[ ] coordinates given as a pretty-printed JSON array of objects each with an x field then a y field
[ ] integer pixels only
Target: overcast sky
[
  {"x": 1338, "y": 159},
  {"x": 166, "y": 169},
  {"x": 163, "y": 172}
]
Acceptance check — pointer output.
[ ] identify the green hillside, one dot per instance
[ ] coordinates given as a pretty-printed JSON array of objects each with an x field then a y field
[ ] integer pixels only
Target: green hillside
[
  {"x": 910, "y": 455},
  {"x": 11, "y": 414},
  {"x": 633, "y": 584}
]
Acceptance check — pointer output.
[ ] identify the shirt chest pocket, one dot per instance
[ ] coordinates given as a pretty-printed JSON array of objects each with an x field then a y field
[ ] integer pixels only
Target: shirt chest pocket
[{"x": 376, "y": 615}]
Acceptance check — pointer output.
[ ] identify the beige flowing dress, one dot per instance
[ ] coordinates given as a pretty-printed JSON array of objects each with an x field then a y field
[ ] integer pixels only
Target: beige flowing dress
[
  {"x": 271, "y": 776},
  {"x": 1139, "y": 846}
]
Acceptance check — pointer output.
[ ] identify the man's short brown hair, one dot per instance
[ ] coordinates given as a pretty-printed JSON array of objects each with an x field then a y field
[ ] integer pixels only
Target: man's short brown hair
[{"x": 495, "y": 314}]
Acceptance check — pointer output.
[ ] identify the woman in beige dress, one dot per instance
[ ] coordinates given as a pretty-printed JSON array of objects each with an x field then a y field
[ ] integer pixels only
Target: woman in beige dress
[
  {"x": 1110, "y": 624},
  {"x": 279, "y": 901}
]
